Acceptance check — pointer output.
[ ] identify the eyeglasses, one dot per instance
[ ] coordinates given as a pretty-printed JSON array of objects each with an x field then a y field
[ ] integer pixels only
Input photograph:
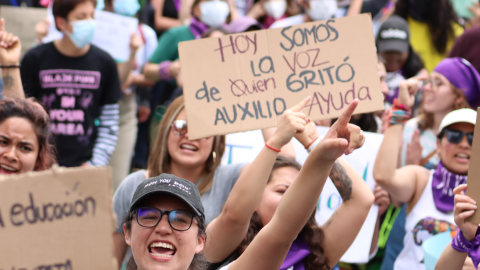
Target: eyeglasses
[
  {"x": 456, "y": 136},
  {"x": 179, "y": 127},
  {"x": 179, "y": 220},
  {"x": 434, "y": 83}
]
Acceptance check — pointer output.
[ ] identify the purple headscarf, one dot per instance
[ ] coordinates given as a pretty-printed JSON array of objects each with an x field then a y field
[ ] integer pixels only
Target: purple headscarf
[
  {"x": 463, "y": 76},
  {"x": 197, "y": 28}
]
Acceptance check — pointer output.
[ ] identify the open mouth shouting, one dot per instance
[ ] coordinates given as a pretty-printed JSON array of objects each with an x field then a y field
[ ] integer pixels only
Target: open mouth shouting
[
  {"x": 162, "y": 250},
  {"x": 5, "y": 169},
  {"x": 188, "y": 147}
]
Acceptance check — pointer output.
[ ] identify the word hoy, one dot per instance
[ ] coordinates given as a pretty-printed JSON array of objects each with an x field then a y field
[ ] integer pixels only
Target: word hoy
[
  {"x": 22, "y": 214},
  {"x": 57, "y": 266}
]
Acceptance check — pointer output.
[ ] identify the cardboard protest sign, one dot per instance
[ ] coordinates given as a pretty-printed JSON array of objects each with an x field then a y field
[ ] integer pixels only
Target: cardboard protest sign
[
  {"x": 58, "y": 219},
  {"x": 21, "y": 22},
  {"x": 246, "y": 81},
  {"x": 112, "y": 34},
  {"x": 473, "y": 189},
  {"x": 244, "y": 147}
]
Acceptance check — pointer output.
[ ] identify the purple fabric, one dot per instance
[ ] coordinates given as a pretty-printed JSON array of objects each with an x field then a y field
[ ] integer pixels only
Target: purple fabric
[
  {"x": 463, "y": 76},
  {"x": 177, "y": 5},
  {"x": 197, "y": 28},
  {"x": 298, "y": 251},
  {"x": 461, "y": 244},
  {"x": 243, "y": 23},
  {"x": 443, "y": 183}
]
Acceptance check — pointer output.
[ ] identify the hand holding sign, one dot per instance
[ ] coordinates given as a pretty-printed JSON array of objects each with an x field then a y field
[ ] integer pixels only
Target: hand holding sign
[
  {"x": 342, "y": 138},
  {"x": 292, "y": 121},
  {"x": 464, "y": 208},
  {"x": 10, "y": 47}
]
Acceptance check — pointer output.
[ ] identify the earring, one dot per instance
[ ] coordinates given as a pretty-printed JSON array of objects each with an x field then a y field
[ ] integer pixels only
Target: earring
[{"x": 214, "y": 155}]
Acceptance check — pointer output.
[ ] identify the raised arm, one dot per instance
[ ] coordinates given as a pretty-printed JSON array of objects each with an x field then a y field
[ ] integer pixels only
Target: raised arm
[
  {"x": 10, "y": 48},
  {"x": 400, "y": 183},
  {"x": 452, "y": 258},
  {"x": 269, "y": 248},
  {"x": 343, "y": 226},
  {"x": 227, "y": 231}
]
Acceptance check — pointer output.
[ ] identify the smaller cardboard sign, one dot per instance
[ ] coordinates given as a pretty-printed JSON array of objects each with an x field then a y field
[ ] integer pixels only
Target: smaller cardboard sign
[
  {"x": 112, "y": 34},
  {"x": 473, "y": 189},
  {"x": 57, "y": 219},
  {"x": 246, "y": 81},
  {"x": 21, "y": 22}
]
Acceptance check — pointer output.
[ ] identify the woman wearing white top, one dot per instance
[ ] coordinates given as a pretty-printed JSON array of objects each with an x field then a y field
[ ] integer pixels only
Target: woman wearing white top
[{"x": 428, "y": 194}]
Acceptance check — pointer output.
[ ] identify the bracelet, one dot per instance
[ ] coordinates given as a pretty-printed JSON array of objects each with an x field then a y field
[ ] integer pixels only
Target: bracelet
[
  {"x": 274, "y": 149},
  {"x": 164, "y": 70},
  {"x": 399, "y": 114},
  {"x": 311, "y": 146},
  {"x": 11, "y": 66}
]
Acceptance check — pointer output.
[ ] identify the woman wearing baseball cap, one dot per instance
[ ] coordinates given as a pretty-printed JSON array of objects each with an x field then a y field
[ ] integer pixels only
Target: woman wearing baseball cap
[
  {"x": 427, "y": 193},
  {"x": 165, "y": 222}
]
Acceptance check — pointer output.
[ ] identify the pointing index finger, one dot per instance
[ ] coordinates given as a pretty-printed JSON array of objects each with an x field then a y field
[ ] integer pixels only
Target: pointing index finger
[
  {"x": 2, "y": 25},
  {"x": 344, "y": 119},
  {"x": 299, "y": 106}
]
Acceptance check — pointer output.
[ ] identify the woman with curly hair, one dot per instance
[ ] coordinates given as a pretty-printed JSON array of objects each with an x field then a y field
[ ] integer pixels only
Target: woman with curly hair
[
  {"x": 313, "y": 247},
  {"x": 433, "y": 25}
]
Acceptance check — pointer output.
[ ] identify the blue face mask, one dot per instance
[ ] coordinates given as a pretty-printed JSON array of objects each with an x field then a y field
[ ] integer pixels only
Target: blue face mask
[
  {"x": 100, "y": 5},
  {"x": 126, "y": 7},
  {"x": 83, "y": 32}
]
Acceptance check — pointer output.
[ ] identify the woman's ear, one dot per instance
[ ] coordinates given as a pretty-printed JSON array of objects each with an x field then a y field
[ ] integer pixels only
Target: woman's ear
[
  {"x": 439, "y": 148},
  {"x": 200, "y": 244},
  {"x": 61, "y": 23},
  {"x": 127, "y": 235}
]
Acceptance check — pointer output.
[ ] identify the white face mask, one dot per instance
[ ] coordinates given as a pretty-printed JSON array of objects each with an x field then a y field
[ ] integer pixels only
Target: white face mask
[
  {"x": 214, "y": 13},
  {"x": 275, "y": 8},
  {"x": 322, "y": 9}
]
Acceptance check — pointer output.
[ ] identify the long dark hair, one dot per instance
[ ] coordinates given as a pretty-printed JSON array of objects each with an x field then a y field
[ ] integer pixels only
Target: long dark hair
[
  {"x": 33, "y": 112},
  {"x": 439, "y": 21},
  {"x": 413, "y": 65},
  {"x": 198, "y": 262},
  {"x": 312, "y": 233}
]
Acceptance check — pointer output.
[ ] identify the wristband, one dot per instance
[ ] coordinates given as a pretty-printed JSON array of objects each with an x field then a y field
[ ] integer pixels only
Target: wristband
[
  {"x": 460, "y": 243},
  {"x": 274, "y": 149},
  {"x": 164, "y": 70},
  {"x": 399, "y": 114},
  {"x": 11, "y": 66},
  {"x": 312, "y": 145}
]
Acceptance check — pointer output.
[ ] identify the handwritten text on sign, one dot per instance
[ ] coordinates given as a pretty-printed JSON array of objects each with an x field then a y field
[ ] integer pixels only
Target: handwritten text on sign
[
  {"x": 62, "y": 219},
  {"x": 246, "y": 81}
]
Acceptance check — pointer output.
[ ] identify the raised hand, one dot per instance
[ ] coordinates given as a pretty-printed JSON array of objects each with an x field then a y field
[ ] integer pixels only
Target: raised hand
[
  {"x": 414, "y": 149},
  {"x": 292, "y": 121},
  {"x": 464, "y": 208},
  {"x": 41, "y": 29},
  {"x": 382, "y": 199},
  {"x": 342, "y": 138},
  {"x": 135, "y": 43},
  {"x": 10, "y": 47},
  {"x": 408, "y": 89}
]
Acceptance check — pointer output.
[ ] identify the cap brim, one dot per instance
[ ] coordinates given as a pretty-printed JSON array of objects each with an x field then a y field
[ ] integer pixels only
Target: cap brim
[
  {"x": 468, "y": 116},
  {"x": 165, "y": 192},
  {"x": 392, "y": 45}
]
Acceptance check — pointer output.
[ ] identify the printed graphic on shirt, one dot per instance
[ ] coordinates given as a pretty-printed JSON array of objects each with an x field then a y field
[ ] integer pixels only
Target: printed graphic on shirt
[
  {"x": 72, "y": 97},
  {"x": 429, "y": 227}
]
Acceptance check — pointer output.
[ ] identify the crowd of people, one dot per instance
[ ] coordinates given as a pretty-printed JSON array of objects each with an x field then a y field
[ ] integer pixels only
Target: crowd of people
[{"x": 67, "y": 102}]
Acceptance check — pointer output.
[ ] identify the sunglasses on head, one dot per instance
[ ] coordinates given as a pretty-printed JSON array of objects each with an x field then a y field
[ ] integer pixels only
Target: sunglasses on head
[
  {"x": 456, "y": 136},
  {"x": 179, "y": 127}
]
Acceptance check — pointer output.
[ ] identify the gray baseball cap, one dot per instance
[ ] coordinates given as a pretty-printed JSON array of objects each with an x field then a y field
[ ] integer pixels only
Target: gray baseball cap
[
  {"x": 169, "y": 184},
  {"x": 394, "y": 35}
]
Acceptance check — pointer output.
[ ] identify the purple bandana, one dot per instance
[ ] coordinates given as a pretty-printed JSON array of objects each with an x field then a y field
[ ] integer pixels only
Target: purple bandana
[
  {"x": 460, "y": 244},
  {"x": 197, "y": 28},
  {"x": 443, "y": 183},
  {"x": 298, "y": 251},
  {"x": 463, "y": 76}
]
